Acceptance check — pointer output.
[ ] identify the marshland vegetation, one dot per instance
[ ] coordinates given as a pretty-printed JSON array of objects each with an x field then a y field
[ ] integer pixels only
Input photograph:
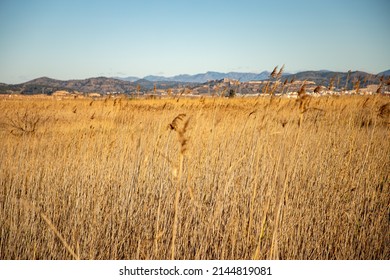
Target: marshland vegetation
[{"x": 211, "y": 178}]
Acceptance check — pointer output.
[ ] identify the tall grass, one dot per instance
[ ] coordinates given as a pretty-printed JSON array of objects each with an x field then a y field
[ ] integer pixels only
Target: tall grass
[{"x": 262, "y": 178}]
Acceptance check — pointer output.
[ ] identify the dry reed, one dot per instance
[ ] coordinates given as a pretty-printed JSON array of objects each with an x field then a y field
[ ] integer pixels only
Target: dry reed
[{"x": 261, "y": 178}]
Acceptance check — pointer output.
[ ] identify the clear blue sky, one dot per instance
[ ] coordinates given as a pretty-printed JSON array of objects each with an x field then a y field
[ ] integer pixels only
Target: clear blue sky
[{"x": 80, "y": 39}]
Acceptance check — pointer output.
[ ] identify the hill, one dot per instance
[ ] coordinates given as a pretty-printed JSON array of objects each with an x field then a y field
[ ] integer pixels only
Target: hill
[
  {"x": 384, "y": 73},
  {"x": 103, "y": 85},
  {"x": 340, "y": 80},
  {"x": 100, "y": 84}
]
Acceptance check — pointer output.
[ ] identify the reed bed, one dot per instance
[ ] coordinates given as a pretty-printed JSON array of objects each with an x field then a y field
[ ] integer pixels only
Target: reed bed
[{"x": 211, "y": 178}]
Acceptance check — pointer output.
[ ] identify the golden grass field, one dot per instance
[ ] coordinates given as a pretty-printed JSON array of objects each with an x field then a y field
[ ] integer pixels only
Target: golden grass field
[{"x": 207, "y": 178}]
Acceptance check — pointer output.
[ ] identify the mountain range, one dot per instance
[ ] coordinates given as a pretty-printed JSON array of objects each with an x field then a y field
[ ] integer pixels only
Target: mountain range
[
  {"x": 202, "y": 77},
  {"x": 320, "y": 77},
  {"x": 127, "y": 85}
]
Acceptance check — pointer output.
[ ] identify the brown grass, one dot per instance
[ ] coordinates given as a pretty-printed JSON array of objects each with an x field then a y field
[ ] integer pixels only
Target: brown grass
[{"x": 212, "y": 178}]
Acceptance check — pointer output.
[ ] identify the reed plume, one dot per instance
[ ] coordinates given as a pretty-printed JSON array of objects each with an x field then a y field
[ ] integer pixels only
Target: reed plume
[
  {"x": 274, "y": 72},
  {"x": 180, "y": 126}
]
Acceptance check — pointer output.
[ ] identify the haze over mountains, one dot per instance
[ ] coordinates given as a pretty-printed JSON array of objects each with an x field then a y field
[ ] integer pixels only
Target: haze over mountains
[{"x": 127, "y": 85}]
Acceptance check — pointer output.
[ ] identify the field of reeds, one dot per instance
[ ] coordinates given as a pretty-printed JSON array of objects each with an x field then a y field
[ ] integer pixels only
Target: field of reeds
[{"x": 208, "y": 178}]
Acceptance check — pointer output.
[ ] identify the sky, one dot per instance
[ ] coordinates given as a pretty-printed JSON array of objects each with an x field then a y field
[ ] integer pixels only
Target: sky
[{"x": 77, "y": 39}]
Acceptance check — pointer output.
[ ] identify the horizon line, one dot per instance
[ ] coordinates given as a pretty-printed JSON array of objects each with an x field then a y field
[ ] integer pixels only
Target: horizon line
[{"x": 183, "y": 74}]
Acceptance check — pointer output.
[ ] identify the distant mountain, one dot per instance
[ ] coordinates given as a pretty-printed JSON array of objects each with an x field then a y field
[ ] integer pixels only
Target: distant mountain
[
  {"x": 208, "y": 76},
  {"x": 384, "y": 73},
  {"x": 128, "y": 79},
  {"x": 152, "y": 78},
  {"x": 245, "y": 77},
  {"x": 46, "y": 85}
]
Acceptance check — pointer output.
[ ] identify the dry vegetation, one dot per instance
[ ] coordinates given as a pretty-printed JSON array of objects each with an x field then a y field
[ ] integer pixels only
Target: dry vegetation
[{"x": 263, "y": 178}]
